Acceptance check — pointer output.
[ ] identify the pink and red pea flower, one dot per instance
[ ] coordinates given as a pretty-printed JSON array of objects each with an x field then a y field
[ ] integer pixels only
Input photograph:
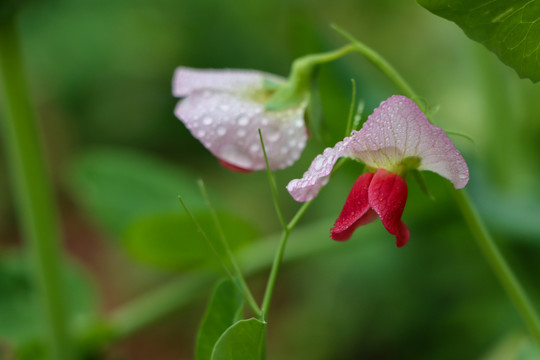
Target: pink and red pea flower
[{"x": 225, "y": 108}]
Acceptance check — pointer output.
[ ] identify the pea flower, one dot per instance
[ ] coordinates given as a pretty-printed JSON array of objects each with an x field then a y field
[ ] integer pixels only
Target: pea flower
[
  {"x": 396, "y": 138},
  {"x": 224, "y": 109}
]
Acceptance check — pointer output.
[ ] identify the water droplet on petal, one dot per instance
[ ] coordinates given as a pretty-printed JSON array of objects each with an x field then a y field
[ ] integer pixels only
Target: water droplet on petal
[
  {"x": 255, "y": 149},
  {"x": 241, "y": 132},
  {"x": 201, "y": 133},
  {"x": 221, "y": 131},
  {"x": 224, "y": 107},
  {"x": 243, "y": 121},
  {"x": 207, "y": 120},
  {"x": 319, "y": 162}
]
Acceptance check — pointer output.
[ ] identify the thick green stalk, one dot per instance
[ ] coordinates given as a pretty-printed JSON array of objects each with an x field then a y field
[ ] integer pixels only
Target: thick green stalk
[
  {"x": 33, "y": 193},
  {"x": 499, "y": 265}
]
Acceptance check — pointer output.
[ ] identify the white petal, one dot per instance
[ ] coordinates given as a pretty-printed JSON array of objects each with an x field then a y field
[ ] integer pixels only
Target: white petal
[
  {"x": 227, "y": 124},
  {"x": 398, "y": 129},
  {"x": 318, "y": 173},
  {"x": 188, "y": 80}
]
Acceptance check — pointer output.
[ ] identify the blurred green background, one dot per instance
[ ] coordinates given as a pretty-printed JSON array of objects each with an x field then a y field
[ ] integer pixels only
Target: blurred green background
[{"x": 100, "y": 74}]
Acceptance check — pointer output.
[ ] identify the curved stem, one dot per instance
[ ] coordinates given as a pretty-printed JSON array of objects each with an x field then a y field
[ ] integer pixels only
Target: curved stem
[
  {"x": 33, "y": 192},
  {"x": 497, "y": 262}
]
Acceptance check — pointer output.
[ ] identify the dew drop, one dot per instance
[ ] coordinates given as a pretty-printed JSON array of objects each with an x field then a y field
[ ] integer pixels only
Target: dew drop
[
  {"x": 241, "y": 132},
  {"x": 221, "y": 131},
  {"x": 254, "y": 149},
  {"x": 201, "y": 133},
  {"x": 319, "y": 162},
  {"x": 299, "y": 123},
  {"x": 243, "y": 121},
  {"x": 207, "y": 120},
  {"x": 224, "y": 107}
]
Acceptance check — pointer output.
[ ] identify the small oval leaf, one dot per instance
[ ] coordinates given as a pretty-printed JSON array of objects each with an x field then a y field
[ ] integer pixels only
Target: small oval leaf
[
  {"x": 245, "y": 340},
  {"x": 222, "y": 312}
]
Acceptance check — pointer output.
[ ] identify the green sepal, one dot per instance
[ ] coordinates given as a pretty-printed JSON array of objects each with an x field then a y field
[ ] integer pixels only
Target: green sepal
[{"x": 296, "y": 89}]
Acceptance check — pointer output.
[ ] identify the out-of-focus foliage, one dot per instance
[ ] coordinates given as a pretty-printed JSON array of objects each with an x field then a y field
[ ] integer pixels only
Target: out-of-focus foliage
[
  {"x": 21, "y": 321},
  {"x": 100, "y": 73},
  {"x": 119, "y": 187},
  {"x": 508, "y": 28},
  {"x": 174, "y": 242}
]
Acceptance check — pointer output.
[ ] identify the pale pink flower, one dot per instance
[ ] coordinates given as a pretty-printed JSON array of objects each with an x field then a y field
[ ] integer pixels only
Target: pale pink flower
[
  {"x": 397, "y": 137},
  {"x": 224, "y": 109}
]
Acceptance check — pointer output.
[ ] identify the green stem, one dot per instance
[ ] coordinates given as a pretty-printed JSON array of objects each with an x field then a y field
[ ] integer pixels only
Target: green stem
[
  {"x": 273, "y": 187},
  {"x": 34, "y": 197},
  {"x": 239, "y": 281},
  {"x": 296, "y": 88},
  {"x": 350, "y": 117},
  {"x": 278, "y": 259},
  {"x": 499, "y": 265}
]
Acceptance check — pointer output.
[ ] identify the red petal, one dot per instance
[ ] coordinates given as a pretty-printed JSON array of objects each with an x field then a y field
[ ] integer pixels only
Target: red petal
[
  {"x": 229, "y": 166},
  {"x": 356, "y": 211},
  {"x": 387, "y": 196}
]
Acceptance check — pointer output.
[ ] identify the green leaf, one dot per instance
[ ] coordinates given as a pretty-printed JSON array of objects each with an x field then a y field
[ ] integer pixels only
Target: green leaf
[
  {"x": 117, "y": 187},
  {"x": 20, "y": 320},
  {"x": 245, "y": 340},
  {"x": 173, "y": 242},
  {"x": 510, "y": 29},
  {"x": 224, "y": 309}
]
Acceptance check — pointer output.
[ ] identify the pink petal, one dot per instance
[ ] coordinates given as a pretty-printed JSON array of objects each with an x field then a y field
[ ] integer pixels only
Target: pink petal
[
  {"x": 356, "y": 211},
  {"x": 318, "y": 173},
  {"x": 398, "y": 129},
  {"x": 387, "y": 196},
  {"x": 227, "y": 124},
  {"x": 188, "y": 80}
]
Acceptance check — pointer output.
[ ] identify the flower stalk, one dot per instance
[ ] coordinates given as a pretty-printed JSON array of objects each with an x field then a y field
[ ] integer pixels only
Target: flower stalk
[
  {"x": 37, "y": 210},
  {"x": 493, "y": 255}
]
